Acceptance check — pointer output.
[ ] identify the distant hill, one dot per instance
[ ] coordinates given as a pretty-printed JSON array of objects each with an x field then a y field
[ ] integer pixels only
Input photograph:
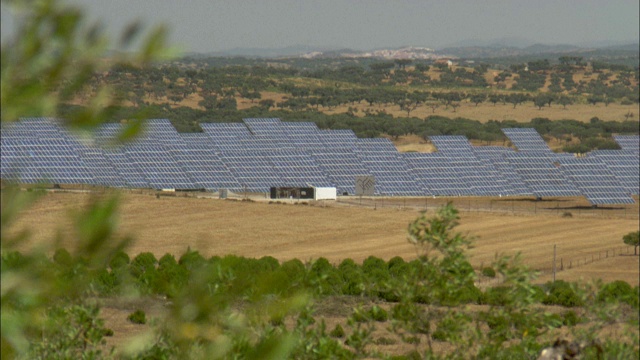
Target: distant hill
[
  {"x": 502, "y": 51},
  {"x": 289, "y": 51}
]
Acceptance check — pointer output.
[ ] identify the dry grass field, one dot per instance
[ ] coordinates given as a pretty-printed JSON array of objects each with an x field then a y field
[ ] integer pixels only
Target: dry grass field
[
  {"x": 339, "y": 230},
  {"x": 483, "y": 112}
]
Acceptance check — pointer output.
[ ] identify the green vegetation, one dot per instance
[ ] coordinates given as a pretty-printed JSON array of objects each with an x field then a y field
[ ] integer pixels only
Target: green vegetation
[
  {"x": 137, "y": 317},
  {"x": 633, "y": 239},
  {"x": 425, "y": 298}
]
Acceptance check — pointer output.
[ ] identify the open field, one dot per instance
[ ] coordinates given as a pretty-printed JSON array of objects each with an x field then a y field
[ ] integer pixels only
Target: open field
[
  {"x": 342, "y": 230},
  {"x": 483, "y": 112}
]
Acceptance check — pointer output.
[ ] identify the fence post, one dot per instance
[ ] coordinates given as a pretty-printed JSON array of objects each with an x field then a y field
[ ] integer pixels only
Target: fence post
[{"x": 554, "y": 263}]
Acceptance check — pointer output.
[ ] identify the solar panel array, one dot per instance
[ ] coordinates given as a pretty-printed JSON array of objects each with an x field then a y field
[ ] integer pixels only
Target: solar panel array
[
  {"x": 391, "y": 173},
  {"x": 624, "y": 165},
  {"x": 263, "y": 152},
  {"x": 628, "y": 142},
  {"x": 480, "y": 177},
  {"x": 541, "y": 175},
  {"x": 595, "y": 181},
  {"x": 526, "y": 139}
]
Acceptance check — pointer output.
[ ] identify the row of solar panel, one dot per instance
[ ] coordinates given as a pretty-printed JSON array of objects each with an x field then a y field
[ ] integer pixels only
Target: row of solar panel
[{"x": 225, "y": 156}]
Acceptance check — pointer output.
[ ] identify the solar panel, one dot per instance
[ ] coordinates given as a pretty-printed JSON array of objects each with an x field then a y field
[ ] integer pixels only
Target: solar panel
[
  {"x": 436, "y": 174},
  {"x": 341, "y": 166},
  {"x": 628, "y": 142},
  {"x": 391, "y": 172},
  {"x": 297, "y": 168},
  {"x": 158, "y": 166},
  {"x": 625, "y": 166},
  {"x": 526, "y": 139},
  {"x": 198, "y": 157},
  {"x": 594, "y": 180},
  {"x": 252, "y": 170},
  {"x": 261, "y": 153},
  {"x": 541, "y": 175},
  {"x": 482, "y": 178}
]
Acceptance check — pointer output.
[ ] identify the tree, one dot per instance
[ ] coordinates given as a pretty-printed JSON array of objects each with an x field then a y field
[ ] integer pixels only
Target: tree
[
  {"x": 50, "y": 57},
  {"x": 516, "y": 99},
  {"x": 402, "y": 63},
  {"x": 564, "y": 101},
  {"x": 633, "y": 239},
  {"x": 422, "y": 67},
  {"x": 495, "y": 98},
  {"x": 384, "y": 67},
  {"x": 267, "y": 103},
  {"x": 478, "y": 98},
  {"x": 209, "y": 102},
  {"x": 540, "y": 101},
  {"x": 594, "y": 99}
]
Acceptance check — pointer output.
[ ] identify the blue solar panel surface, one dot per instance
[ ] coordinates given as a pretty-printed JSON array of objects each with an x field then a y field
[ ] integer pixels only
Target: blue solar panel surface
[{"x": 264, "y": 152}]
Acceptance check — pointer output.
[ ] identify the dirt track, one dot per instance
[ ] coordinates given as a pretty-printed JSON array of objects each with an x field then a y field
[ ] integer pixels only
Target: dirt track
[{"x": 218, "y": 227}]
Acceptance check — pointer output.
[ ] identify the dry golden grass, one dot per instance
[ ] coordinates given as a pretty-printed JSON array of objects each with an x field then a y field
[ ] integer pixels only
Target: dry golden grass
[
  {"x": 522, "y": 113},
  {"x": 255, "y": 229}
]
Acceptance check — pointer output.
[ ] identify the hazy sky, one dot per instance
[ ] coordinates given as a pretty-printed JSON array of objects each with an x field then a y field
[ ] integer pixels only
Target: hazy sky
[{"x": 214, "y": 25}]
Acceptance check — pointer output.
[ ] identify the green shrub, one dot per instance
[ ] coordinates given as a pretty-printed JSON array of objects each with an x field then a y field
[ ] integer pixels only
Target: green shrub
[
  {"x": 384, "y": 341},
  {"x": 171, "y": 277},
  {"x": 378, "y": 314},
  {"x": 555, "y": 320},
  {"x": 337, "y": 332},
  {"x": 359, "y": 315},
  {"x": 488, "y": 272},
  {"x": 412, "y": 340},
  {"x": 294, "y": 269},
  {"x": 62, "y": 257},
  {"x": 353, "y": 281},
  {"x": 105, "y": 282},
  {"x": 619, "y": 291},
  {"x": 388, "y": 295},
  {"x": 191, "y": 260},
  {"x": 119, "y": 260},
  {"x": 561, "y": 293},
  {"x": 268, "y": 263},
  {"x": 142, "y": 263},
  {"x": 137, "y": 317},
  {"x": 496, "y": 296},
  {"x": 374, "y": 265},
  {"x": 451, "y": 326},
  {"x": 570, "y": 318}
]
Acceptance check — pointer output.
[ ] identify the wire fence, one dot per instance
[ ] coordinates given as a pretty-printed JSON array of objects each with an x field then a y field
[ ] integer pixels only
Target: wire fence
[
  {"x": 507, "y": 206},
  {"x": 572, "y": 261}
]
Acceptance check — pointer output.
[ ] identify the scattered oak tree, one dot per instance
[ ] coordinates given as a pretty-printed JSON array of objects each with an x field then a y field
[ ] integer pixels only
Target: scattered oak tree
[{"x": 633, "y": 239}]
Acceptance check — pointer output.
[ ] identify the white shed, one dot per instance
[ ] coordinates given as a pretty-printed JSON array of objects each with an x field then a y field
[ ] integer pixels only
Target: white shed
[{"x": 325, "y": 193}]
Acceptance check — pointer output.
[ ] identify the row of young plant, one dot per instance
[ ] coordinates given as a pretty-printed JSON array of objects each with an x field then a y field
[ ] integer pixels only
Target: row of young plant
[
  {"x": 235, "y": 307},
  {"x": 375, "y": 278}
]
